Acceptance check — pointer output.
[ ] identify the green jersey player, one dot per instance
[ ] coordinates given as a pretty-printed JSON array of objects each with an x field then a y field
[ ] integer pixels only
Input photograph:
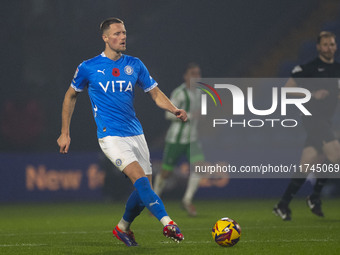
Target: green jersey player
[{"x": 181, "y": 138}]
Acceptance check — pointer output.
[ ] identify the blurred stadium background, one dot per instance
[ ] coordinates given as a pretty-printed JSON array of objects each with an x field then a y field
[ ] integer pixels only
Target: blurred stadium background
[{"x": 44, "y": 40}]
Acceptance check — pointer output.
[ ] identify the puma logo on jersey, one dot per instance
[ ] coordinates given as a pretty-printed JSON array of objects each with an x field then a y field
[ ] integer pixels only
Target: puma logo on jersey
[
  {"x": 100, "y": 71},
  {"x": 321, "y": 69},
  {"x": 154, "y": 203}
]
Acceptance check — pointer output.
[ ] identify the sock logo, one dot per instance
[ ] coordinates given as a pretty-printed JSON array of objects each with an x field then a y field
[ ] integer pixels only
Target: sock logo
[
  {"x": 154, "y": 203},
  {"x": 310, "y": 204}
]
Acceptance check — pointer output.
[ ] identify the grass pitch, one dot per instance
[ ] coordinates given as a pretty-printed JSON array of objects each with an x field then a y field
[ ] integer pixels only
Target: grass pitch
[{"x": 85, "y": 228}]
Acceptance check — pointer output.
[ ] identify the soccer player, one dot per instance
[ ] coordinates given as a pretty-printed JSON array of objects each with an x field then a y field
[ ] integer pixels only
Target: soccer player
[
  {"x": 321, "y": 144},
  {"x": 111, "y": 80},
  {"x": 181, "y": 137}
]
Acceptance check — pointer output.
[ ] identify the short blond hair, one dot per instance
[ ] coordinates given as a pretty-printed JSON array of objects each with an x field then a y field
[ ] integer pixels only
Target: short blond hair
[{"x": 106, "y": 23}]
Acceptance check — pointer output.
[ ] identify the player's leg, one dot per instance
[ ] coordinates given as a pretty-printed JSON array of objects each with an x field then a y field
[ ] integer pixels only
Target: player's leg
[
  {"x": 193, "y": 184},
  {"x": 171, "y": 154},
  {"x": 126, "y": 153},
  {"x": 152, "y": 201},
  {"x": 309, "y": 156},
  {"x": 145, "y": 193},
  {"x": 170, "y": 230},
  {"x": 331, "y": 151},
  {"x": 161, "y": 180},
  {"x": 118, "y": 151},
  {"x": 195, "y": 154},
  {"x": 133, "y": 208}
]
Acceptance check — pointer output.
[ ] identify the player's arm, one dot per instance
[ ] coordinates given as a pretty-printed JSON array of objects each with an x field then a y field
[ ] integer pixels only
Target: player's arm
[
  {"x": 317, "y": 94},
  {"x": 171, "y": 117},
  {"x": 297, "y": 72},
  {"x": 164, "y": 102},
  {"x": 300, "y": 72},
  {"x": 291, "y": 83},
  {"x": 69, "y": 103},
  {"x": 176, "y": 100}
]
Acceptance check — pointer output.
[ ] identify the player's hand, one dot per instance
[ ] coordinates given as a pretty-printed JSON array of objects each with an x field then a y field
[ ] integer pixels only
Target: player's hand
[
  {"x": 64, "y": 142},
  {"x": 320, "y": 94},
  {"x": 181, "y": 114}
]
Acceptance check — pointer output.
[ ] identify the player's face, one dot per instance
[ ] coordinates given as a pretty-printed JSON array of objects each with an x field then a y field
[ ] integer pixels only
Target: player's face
[
  {"x": 327, "y": 48},
  {"x": 192, "y": 73},
  {"x": 115, "y": 37}
]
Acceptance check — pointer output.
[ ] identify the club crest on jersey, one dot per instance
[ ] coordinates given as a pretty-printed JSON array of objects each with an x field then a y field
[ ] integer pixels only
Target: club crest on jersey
[{"x": 128, "y": 70}]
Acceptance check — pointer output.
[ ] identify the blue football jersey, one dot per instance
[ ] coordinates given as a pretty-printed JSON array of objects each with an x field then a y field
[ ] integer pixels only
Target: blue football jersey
[{"x": 111, "y": 88}]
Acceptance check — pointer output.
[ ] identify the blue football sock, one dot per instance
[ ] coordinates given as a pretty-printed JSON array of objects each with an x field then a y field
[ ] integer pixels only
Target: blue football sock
[
  {"x": 150, "y": 198},
  {"x": 134, "y": 206}
]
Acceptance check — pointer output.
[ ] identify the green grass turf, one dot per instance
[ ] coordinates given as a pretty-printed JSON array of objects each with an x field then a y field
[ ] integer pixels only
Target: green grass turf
[{"x": 85, "y": 228}]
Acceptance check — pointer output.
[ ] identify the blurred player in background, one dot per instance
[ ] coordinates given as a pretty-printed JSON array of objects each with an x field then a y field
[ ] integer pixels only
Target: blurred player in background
[
  {"x": 321, "y": 145},
  {"x": 182, "y": 137},
  {"x": 111, "y": 79}
]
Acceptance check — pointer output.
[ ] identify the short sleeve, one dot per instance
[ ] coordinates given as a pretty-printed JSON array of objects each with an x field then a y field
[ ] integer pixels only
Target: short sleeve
[
  {"x": 80, "y": 80},
  {"x": 298, "y": 72},
  {"x": 145, "y": 81}
]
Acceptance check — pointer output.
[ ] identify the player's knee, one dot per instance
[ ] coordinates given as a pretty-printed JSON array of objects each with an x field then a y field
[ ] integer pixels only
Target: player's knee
[
  {"x": 332, "y": 151},
  {"x": 134, "y": 171},
  {"x": 333, "y": 155}
]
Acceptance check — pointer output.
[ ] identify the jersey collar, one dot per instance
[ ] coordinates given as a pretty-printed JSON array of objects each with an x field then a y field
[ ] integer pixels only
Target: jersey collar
[{"x": 104, "y": 56}]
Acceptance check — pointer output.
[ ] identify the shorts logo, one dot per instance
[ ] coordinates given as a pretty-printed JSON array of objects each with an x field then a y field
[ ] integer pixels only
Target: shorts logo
[
  {"x": 118, "y": 162},
  {"x": 128, "y": 70}
]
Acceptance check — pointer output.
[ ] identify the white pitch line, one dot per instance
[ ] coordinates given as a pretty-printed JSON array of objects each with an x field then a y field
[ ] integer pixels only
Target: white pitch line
[
  {"x": 288, "y": 241},
  {"x": 195, "y": 242},
  {"x": 187, "y": 242},
  {"x": 257, "y": 241},
  {"x": 23, "y": 244},
  {"x": 57, "y": 233},
  {"x": 155, "y": 230}
]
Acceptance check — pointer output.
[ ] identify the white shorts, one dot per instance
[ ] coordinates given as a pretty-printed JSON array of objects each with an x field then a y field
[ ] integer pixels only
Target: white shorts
[{"x": 124, "y": 150}]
